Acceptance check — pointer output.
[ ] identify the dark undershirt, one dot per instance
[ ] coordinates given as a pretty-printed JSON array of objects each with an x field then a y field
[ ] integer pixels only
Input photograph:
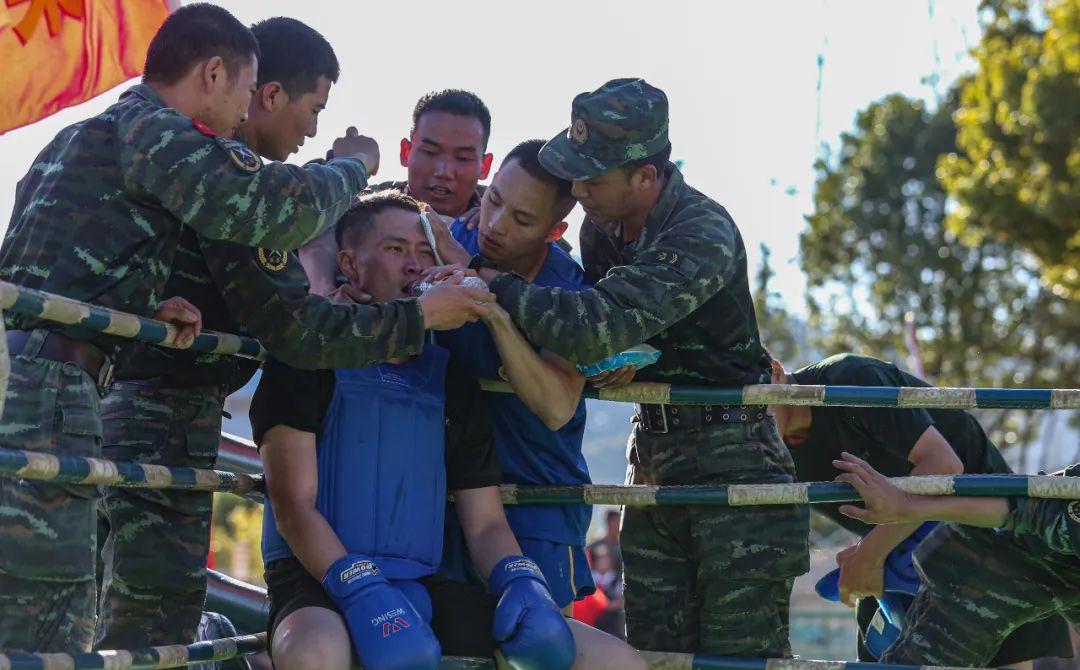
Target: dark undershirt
[
  {"x": 882, "y": 436},
  {"x": 300, "y": 399}
]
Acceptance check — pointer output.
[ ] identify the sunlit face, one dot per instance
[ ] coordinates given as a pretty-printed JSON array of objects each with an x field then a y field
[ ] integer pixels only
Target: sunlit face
[
  {"x": 607, "y": 198},
  {"x": 445, "y": 158},
  {"x": 388, "y": 261},
  {"x": 282, "y": 130},
  {"x": 518, "y": 216},
  {"x": 229, "y": 97}
]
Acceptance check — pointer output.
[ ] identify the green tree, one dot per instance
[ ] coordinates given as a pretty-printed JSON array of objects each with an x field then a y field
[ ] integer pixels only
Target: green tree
[
  {"x": 877, "y": 249},
  {"x": 774, "y": 321},
  {"x": 1016, "y": 175}
]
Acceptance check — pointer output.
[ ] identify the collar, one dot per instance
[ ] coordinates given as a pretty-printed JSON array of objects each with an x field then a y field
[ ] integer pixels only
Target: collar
[
  {"x": 658, "y": 217},
  {"x": 146, "y": 93}
]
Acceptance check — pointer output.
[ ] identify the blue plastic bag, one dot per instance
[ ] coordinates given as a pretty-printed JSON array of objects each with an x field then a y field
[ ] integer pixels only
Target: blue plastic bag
[{"x": 640, "y": 356}]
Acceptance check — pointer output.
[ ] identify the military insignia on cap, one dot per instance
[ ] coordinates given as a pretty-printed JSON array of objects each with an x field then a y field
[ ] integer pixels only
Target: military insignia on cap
[
  {"x": 1074, "y": 511},
  {"x": 271, "y": 260},
  {"x": 241, "y": 155},
  {"x": 579, "y": 131}
]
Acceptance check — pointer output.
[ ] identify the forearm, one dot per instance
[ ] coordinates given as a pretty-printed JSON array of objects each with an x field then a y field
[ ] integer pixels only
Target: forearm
[
  {"x": 883, "y": 539},
  {"x": 982, "y": 512},
  {"x": 316, "y": 334},
  {"x": 550, "y": 392},
  {"x": 490, "y": 544},
  {"x": 311, "y": 538}
]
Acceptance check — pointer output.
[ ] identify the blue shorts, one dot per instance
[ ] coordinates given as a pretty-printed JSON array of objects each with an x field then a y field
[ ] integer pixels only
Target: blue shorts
[{"x": 565, "y": 567}]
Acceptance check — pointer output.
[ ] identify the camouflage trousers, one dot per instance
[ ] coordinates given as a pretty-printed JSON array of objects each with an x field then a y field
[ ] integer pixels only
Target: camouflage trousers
[
  {"x": 712, "y": 579},
  {"x": 981, "y": 588},
  {"x": 154, "y": 543},
  {"x": 47, "y": 531}
]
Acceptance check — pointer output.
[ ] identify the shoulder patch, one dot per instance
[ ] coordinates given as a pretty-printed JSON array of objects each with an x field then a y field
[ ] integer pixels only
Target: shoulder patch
[
  {"x": 271, "y": 260},
  {"x": 240, "y": 154}
]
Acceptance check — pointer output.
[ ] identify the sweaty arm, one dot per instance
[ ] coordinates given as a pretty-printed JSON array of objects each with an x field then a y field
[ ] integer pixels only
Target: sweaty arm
[
  {"x": 292, "y": 481},
  {"x": 221, "y": 189},
  {"x": 884, "y": 503},
  {"x": 484, "y": 524},
  {"x": 687, "y": 264},
  {"x": 548, "y": 384},
  {"x": 306, "y": 331},
  {"x": 931, "y": 455}
]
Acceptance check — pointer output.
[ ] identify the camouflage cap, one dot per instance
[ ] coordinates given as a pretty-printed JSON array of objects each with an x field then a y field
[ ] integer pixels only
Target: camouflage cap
[{"x": 623, "y": 120}]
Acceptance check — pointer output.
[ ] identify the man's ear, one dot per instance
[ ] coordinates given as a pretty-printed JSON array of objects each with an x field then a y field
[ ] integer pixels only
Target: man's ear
[
  {"x": 485, "y": 165},
  {"x": 557, "y": 231},
  {"x": 348, "y": 267},
  {"x": 406, "y": 149},
  {"x": 647, "y": 176},
  {"x": 272, "y": 96},
  {"x": 212, "y": 70}
]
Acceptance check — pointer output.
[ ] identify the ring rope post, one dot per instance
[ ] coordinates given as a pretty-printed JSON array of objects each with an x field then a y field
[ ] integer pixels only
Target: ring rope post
[{"x": 52, "y": 307}]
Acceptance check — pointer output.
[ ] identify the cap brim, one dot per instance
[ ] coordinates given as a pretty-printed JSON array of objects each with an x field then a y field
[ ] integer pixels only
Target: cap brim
[{"x": 561, "y": 158}]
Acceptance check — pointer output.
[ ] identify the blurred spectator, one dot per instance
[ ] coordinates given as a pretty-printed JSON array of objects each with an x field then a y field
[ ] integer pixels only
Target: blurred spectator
[
  {"x": 609, "y": 582},
  {"x": 610, "y": 540}
]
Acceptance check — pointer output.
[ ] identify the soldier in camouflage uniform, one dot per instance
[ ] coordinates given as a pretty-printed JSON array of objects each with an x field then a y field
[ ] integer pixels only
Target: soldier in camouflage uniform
[
  {"x": 1013, "y": 562},
  {"x": 669, "y": 268},
  {"x": 446, "y": 156},
  {"x": 98, "y": 218},
  {"x": 165, "y": 407}
]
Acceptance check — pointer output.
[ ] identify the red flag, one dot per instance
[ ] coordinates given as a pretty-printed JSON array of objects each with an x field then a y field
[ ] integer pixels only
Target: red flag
[{"x": 58, "y": 53}]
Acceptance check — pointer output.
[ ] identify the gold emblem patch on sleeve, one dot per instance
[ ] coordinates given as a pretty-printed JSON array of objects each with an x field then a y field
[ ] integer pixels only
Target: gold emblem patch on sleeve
[
  {"x": 271, "y": 260},
  {"x": 240, "y": 154}
]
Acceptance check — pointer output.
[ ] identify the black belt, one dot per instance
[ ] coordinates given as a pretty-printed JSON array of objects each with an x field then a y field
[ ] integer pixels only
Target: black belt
[
  {"x": 57, "y": 347},
  {"x": 668, "y": 418}
]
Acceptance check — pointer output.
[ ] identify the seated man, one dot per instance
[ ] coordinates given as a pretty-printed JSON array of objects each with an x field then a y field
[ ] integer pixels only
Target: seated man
[
  {"x": 538, "y": 431},
  {"x": 357, "y": 471},
  {"x": 1035, "y": 570},
  {"x": 899, "y": 442}
]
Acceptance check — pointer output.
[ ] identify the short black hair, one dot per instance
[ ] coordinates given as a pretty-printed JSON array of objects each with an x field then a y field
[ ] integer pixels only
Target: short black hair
[
  {"x": 453, "y": 101},
  {"x": 192, "y": 34},
  {"x": 359, "y": 219},
  {"x": 527, "y": 155},
  {"x": 294, "y": 54},
  {"x": 659, "y": 160}
]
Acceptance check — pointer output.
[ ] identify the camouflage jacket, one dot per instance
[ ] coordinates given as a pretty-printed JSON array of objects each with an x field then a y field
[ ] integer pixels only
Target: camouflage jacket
[
  {"x": 681, "y": 286},
  {"x": 99, "y": 214},
  {"x": 264, "y": 294},
  {"x": 1055, "y": 523}
]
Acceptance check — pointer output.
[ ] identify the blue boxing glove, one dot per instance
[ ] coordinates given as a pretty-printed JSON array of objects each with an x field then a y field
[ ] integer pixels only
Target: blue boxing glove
[
  {"x": 531, "y": 632},
  {"x": 387, "y": 633}
]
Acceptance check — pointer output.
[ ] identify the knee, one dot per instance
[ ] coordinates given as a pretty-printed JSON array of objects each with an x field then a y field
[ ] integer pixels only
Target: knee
[{"x": 312, "y": 650}]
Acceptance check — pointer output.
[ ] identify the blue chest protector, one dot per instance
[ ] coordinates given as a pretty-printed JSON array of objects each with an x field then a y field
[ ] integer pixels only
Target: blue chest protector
[{"x": 381, "y": 465}]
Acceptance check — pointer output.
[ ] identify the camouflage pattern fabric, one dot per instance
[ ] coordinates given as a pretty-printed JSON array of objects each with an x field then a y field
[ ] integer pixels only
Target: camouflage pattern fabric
[
  {"x": 715, "y": 580},
  {"x": 47, "y": 530},
  {"x": 980, "y": 586},
  {"x": 623, "y": 120},
  {"x": 154, "y": 555},
  {"x": 1048, "y": 524},
  {"x": 681, "y": 286},
  {"x": 99, "y": 214}
]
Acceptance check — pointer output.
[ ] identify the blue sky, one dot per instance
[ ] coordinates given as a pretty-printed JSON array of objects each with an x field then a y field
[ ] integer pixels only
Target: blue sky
[{"x": 742, "y": 79}]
